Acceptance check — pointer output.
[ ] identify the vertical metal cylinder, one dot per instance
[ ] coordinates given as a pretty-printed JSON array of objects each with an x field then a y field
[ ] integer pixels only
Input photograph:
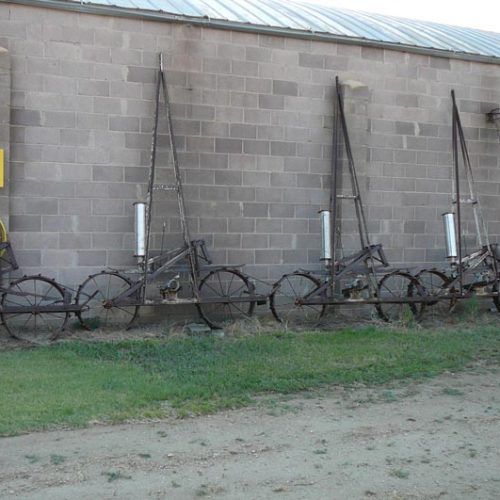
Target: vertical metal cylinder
[
  {"x": 326, "y": 234},
  {"x": 140, "y": 229},
  {"x": 450, "y": 235}
]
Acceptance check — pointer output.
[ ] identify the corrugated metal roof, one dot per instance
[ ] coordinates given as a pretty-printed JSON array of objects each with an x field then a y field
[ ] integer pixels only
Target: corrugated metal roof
[{"x": 287, "y": 14}]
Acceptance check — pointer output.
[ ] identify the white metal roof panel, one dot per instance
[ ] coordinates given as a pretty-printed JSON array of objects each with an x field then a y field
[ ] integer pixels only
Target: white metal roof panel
[{"x": 319, "y": 19}]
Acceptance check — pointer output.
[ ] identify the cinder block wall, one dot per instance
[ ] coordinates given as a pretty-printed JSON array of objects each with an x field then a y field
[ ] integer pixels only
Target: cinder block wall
[{"x": 253, "y": 120}]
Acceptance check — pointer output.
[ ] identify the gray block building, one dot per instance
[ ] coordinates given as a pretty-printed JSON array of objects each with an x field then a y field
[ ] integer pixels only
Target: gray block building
[{"x": 252, "y": 93}]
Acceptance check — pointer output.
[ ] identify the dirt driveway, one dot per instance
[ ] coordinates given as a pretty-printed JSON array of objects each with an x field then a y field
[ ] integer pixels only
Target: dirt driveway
[{"x": 439, "y": 439}]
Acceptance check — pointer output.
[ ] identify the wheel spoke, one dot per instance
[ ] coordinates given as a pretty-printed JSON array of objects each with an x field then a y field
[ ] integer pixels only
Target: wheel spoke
[
  {"x": 34, "y": 292},
  {"x": 222, "y": 286},
  {"x": 98, "y": 293},
  {"x": 284, "y": 298}
]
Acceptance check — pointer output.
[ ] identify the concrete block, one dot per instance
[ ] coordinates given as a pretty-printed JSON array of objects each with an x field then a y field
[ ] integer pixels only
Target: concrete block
[
  {"x": 372, "y": 53},
  {"x": 91, "y": 258},
  {"x": 266, "y": 225},
  {"x": 256, "y": 147},
  {"x": 243, "y": 131},
  {"x": 311, "y": 60},
  {"x": 107, "y": 241},
  {"x": 281, "y": 148},
  {"x": 283, "y": 87},
  {"x": 268, "y": 257},
  {"x": 283, "y": 179},
  {"x": 231, "y": 82},
  {"x": 255, "y": 209},
  {"x": 228, "y": 178},
  {"x": 269, "y": 194},
  {"x": 74, "y": 241},
  {"x": 281, "y": 210},
  {"x": 25, "y": 117},
  {"x": 271, "y": 132},
  {"x": 93, "y": 87},
  {"x": 244, "y": 68},
  {"x": 258, "y": 54},
  {"x": 439, "y": 63},
  {"x": 271, "y": 101},
  {"x": 258, "y": 85},
  {"x": 241, "y": 225},
  {"x": 213, "y": 225},
  {"x": 405, "y": 128},
  {"x": 257, "y": 116},
  {"x": 29, "y": 258},
  {"x": 108, "y": 173},
  {"x": 25, "y": 223},
  {"x": 413, "y": 227},
  {"x": 227, "y": 240},
  {"x": 124, "y": 123},
  {"x": 228, "y": 145}
]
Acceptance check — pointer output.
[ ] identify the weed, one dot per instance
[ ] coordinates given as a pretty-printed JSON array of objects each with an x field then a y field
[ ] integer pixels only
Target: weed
[
  {"x": 114, "y": 476},
  {"x": 450, "y": 391},
  {"x": 472, "y": 308},
  {"x": 400, "y": 474},
  {"x": 407, "y": 317},
  {"x": 57, "y": 459},
  {"x": 33, "y": 459},
  {"x": 90, "y": 324},
  {"x": 322, "y": 451},
  {"x": 389, "y": 397},
  {"x": 144, "y": 455},
  {"x": 208, "y": 489},
  {"x": 175, "y": 484}
]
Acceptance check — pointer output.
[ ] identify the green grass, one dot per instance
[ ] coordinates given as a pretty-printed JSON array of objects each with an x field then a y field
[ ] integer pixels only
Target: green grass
[{"x": 74, "y": 383}]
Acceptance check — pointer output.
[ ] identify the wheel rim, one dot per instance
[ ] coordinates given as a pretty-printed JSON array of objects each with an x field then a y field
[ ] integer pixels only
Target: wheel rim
[
  {"x": 225, "y": 284},
  {"x": 398, "y": 286},
  {"x": 29, "y": 292},
  {"x": 96, "y": 294},
  {"x": 435, "y": 284},
  {"x": 284, "y": 301}
]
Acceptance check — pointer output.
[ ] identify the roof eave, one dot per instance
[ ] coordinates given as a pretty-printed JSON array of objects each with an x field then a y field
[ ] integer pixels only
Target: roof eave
[{"x": 253, "y": 28}]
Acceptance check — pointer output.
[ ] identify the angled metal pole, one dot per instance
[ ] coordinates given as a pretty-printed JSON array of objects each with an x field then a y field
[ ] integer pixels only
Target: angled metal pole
[
  {"x": 178, "y": 186},
  {"x": 334, "y": 179},
  {"x": 358, "y": 204},
  {"x": 151, "y": 181},
  {"x": 457, "y": 187}
]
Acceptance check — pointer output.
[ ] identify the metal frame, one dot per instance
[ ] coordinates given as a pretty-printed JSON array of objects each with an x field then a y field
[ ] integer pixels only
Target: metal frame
[{"x": 363, "y": 277}]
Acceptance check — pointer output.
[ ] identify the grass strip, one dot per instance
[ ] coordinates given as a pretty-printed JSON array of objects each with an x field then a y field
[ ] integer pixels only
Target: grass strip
[{"x": 74, "y": 383}]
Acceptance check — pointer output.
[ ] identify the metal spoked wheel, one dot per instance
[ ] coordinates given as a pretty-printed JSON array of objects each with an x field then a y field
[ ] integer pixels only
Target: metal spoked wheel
[
  {"x": 397, "y": 287},
  {"x": 95, "y": 295},
  {"x": 230, "y": 295},
  {"x": 285, "y": 296},
  {"x": 41, "y": 297},
  {"x": 435, "y": 284}
]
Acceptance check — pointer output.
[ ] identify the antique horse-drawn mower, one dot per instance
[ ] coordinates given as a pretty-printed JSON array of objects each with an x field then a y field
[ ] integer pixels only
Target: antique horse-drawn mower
[
  {"x": 473, "y": 274},
  {"x": 364, "y": 277}
]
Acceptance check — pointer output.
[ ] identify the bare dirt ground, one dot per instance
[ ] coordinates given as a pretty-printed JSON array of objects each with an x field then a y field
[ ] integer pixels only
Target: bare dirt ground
[{"x": 437, "y": 439}]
